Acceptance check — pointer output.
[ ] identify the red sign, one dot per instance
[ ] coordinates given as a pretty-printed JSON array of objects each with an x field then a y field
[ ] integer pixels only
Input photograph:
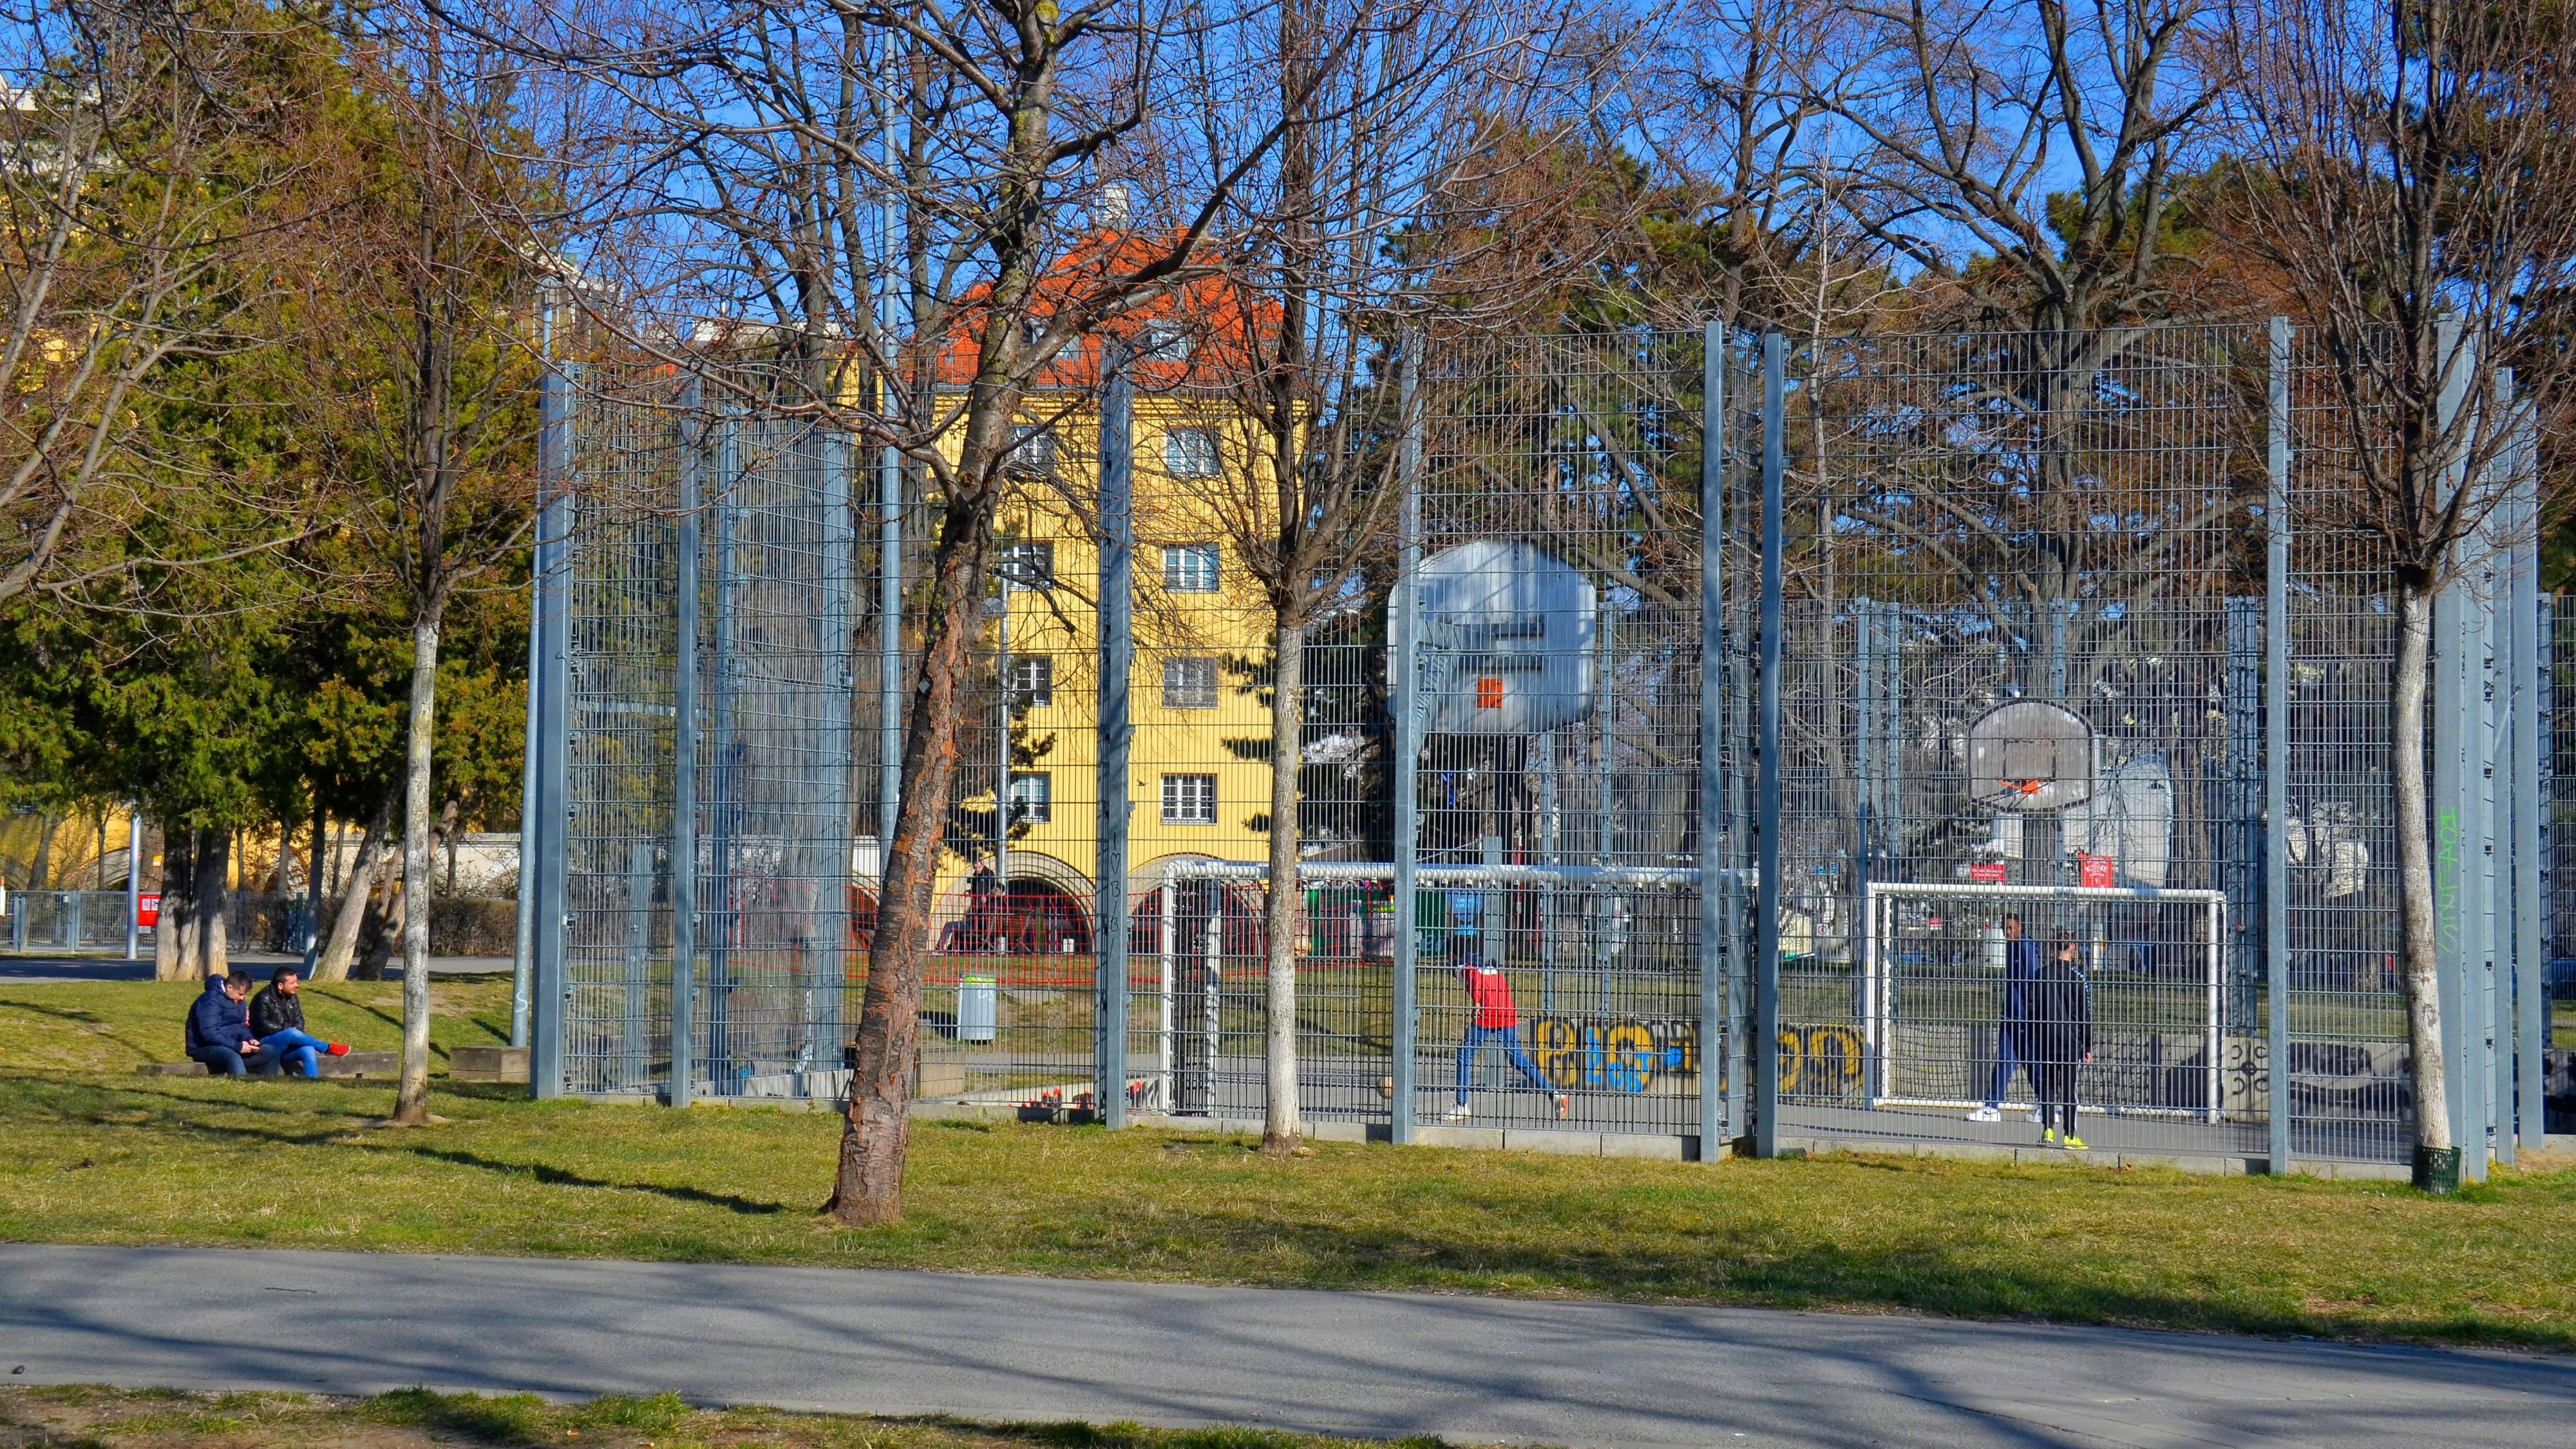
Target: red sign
[
  {"x": 147, "y": 909},
  {"x": 1987, "y": 872},
  {"x": 2097, "y": 870},
  {"x": 1489, "y": 694}
]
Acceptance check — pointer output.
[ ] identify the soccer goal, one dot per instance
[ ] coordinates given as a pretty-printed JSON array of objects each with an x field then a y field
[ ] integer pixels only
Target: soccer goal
[{"x": 1935, "y": 963}]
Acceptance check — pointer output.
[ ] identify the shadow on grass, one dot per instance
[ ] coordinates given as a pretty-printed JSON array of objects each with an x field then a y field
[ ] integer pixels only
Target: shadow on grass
[
  {"x": 562, "y": 1177},
  {"x": 167, "y": 1111},
  {"x": 84, "y": 1018}
]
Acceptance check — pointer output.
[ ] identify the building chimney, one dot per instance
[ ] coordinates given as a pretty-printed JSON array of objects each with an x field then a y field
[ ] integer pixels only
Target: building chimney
[{"x": 1111, "y": 208}]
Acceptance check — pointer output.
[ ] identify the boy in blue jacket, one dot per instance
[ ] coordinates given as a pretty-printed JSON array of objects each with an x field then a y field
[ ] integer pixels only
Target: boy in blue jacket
[{"x": 219, "y": 1031}]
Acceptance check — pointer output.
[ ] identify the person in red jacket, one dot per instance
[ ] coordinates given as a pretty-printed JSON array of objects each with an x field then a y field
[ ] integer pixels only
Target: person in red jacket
[{"x": 1497, "y": 1021}]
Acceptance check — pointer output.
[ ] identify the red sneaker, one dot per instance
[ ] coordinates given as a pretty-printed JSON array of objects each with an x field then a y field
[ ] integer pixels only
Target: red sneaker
[{"x": 336, "y": 1049}]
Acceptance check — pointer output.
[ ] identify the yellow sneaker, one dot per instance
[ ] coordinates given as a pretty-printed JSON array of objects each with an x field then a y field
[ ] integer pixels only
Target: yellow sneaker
[
  {"x": 2074, "y": 1143},
  {"x": 2047, "y": 1136}
]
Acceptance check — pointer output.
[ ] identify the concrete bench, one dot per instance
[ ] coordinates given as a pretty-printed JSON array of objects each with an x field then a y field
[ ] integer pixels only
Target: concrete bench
[
  {"x": 488, "y": 1064},
  {"x": 355, "y": 1064}
]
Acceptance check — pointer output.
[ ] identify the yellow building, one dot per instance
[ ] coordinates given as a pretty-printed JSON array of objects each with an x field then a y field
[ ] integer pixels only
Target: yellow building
[{"x": 1199, "y": 776}]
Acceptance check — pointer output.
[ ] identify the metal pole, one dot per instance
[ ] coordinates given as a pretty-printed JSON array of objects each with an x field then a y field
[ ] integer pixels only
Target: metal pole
[
  {"x": 1714, "y": 927},
  {"x": 834, "y": 639},
  {"x": 1403, "y": 683},
  {"x": 684, "y": 759},
  {"x": 523, "y": 950},
  {"x": 1002, "y": 751},
  {"x": 889, "y": 551},
  {"x": 2276, "y": 748},
  {"x": 1605, "y": 711},
  {"x": 133, "y": 885},
  {"x": 2530, "y": 960},
  {"x": 1117, "y": 735},
  {"x": 1766, "y": 959},
  {"x": 552, "y": 619},
  {"x": 723, "y": 824}
]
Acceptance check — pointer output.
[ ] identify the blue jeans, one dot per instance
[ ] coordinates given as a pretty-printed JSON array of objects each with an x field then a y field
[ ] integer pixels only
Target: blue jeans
[
  {"x": 1510, "y": 1041},
  {"x": 225, "y": 1062},
  {"x": 2008, "y": 1053},
  {"x": 295, "y": 1049}
]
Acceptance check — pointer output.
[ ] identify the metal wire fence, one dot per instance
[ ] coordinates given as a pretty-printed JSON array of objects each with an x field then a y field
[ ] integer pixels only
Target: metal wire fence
[
  {"x": 713, "y": 558},
  {"x": 1546, "y": 881}
]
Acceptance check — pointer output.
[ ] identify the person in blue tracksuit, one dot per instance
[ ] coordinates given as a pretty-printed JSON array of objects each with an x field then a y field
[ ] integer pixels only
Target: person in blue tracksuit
[{"x": 2012, "y": 1026}]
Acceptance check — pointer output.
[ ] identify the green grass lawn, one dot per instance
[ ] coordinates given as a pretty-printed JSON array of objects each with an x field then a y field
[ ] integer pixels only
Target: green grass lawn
[
  {"x": 90, "y": 1153},
  {"x": 116, "y": 1026},
  {"x": 87, "y": 1417}
]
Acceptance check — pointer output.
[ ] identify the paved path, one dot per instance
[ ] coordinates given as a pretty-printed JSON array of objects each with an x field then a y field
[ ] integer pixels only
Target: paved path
[{"x": 1469, "y": 1369}]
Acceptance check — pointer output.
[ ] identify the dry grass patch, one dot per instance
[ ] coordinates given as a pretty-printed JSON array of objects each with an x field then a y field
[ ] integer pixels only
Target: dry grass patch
[{"x": 89, "y": 1417}]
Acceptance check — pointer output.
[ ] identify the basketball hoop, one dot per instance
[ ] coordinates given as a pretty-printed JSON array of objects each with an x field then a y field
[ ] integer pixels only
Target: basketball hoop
[{"x": 2030, "y": 756}]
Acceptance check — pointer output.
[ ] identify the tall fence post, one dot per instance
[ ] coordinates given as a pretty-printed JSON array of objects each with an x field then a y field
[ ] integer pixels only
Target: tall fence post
[
  {"x": 1714, "y": 878},
  {"x": 1117, "y": 734},
  {"x": 1766, "y": 955},
  {"x": 1405, "y": 624},
  {"x": 133, "y": 887},
  {"x": 2530, "y": 959},
  {"x": 2276, "y": 747},
  {"x": 552, "y": 738},
  {"x": 684, "y": 756},
  {"x": 523, "y": 951},
  {"x": 837, "y": 511}
]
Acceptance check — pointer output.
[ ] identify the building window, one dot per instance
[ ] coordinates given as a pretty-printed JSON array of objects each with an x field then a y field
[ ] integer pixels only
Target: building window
[
  {"x": 1032, "y": 681},
  {"x": 1032, "y": 798},
  {"x": 1190, "y": 452},
  {"x": 1027, "y": 565},
  {"x": 1189, "y": 799},
  {"x": 1032, "y": 453},
  {"x": 1189, "y": 683},
  {"x": 1163, "y": 344},
  {"x": 1189, "y": 568}
]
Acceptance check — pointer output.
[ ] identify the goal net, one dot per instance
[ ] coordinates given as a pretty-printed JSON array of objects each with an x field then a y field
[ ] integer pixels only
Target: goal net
[{"x": 1936, "y": 969}]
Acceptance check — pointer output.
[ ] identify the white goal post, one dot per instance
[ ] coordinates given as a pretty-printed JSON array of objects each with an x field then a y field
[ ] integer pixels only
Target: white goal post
[{"x": 1931, "y": 957}]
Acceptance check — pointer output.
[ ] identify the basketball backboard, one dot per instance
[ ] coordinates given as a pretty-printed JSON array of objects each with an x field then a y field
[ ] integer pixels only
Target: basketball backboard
[
  {"x": 2030, "y": 756},
  {"x": 1507, "y": 640}
]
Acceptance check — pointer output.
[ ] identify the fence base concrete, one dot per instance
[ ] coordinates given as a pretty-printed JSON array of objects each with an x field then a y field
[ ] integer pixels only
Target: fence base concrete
[{"x": 2217, "y": 1165}]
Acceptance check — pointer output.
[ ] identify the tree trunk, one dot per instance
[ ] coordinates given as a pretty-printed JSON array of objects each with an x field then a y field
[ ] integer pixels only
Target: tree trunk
[
  {"x": 40, "y": 875},
  {"x": 213, "y": 869},
  {"x": 1280, "y": 1128},
  {"x": 334, "y": 962},
  {"x": 876, "y": 1131},
  {"x": 411, "y": 1098},
  {"x": 174, "y": 938},
  {"x": 2418, "y": 956},
  {"x": 313, "y": 886}
]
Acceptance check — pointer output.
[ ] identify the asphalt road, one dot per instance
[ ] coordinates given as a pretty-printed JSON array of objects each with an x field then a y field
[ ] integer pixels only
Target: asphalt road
[{"x": 1469, "y": 1369}]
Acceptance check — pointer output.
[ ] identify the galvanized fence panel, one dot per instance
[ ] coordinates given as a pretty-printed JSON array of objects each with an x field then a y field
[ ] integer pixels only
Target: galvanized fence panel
[
  {"x": 769, "y": 846},
  {"x": 1559, "y": 925}
]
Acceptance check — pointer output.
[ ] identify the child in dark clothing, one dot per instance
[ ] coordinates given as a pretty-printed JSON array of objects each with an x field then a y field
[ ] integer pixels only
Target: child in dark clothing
[{"x": 2061, "y": 1029}]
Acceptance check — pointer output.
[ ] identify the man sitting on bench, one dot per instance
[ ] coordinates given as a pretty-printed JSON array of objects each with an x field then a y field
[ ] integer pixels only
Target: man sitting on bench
[
  {"x": 219, "y": 1032},
  {"x": 277, "y": 1019}
]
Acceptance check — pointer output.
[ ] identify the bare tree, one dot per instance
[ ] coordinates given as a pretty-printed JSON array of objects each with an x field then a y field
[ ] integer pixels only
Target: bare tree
[
  {"x": 423, "y": 409},
  {"x": 1403, "y": 134},
  {"x": 798, "y": 163},
  {"x": 2028, "y": 150},
  {"x": 2414, "y": 185}
]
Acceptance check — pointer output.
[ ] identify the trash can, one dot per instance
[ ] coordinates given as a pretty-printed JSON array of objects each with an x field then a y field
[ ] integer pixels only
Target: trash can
[{"x": 976, "y": 1009}]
